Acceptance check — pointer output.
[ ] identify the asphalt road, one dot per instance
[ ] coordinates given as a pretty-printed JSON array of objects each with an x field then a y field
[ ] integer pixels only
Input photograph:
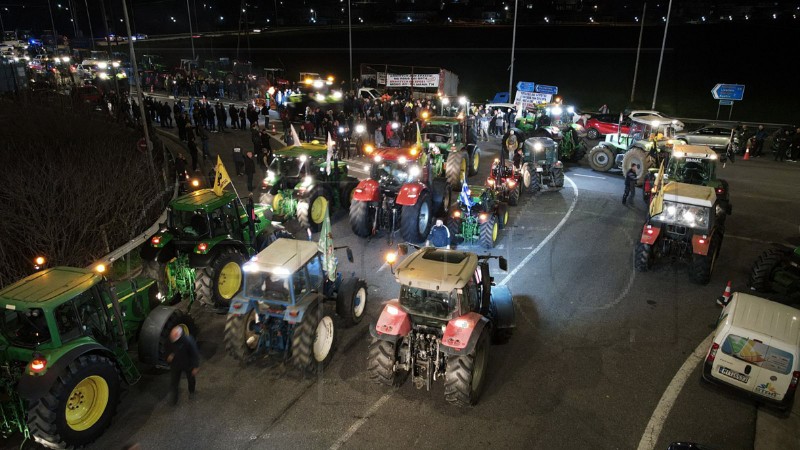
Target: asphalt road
[{"x": 596, "y": 343}]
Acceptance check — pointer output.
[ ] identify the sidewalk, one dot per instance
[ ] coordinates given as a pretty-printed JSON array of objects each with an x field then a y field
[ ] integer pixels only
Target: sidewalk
[{"x": 774, "y": 432}]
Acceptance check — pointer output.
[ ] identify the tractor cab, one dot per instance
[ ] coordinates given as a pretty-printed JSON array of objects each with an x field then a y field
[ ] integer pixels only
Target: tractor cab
[
  {"x": 540, "y": 150},
  {"x": 442, "y": 131},
  {"x": 392, "y": 167},
  {"x": 288, "y": 273},
  {"x": 204, "y": 215}
]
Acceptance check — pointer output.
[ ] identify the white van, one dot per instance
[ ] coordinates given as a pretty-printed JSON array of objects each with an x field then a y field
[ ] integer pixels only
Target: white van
[{"x": 755, "y": 349}]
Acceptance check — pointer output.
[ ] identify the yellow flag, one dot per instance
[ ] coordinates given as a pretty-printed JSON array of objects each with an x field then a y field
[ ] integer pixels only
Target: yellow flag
[
  {"x": 419, "y": 138},
  {"x": 221, "y": 179},
  {"x": 657, "y": 201}
]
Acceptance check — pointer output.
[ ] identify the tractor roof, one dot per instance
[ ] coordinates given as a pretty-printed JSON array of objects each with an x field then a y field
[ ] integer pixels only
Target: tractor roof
[
  {"x": 289, "y": 254},
  {"x": 440, "y": 120},
  {"x": 693, "y": 151},
  {"x": 411, "y": 153},
  {"x": 437, "y": 269},
  {"x": 55, "y": 285},
  {"x": 309, "y": 149},
  {"x": 690, "y": 194},
  {"x": 202, "y": 199}
]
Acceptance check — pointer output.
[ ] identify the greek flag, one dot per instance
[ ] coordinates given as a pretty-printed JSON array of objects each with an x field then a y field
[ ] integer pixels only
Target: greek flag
[{"x": 464, "y": 197}]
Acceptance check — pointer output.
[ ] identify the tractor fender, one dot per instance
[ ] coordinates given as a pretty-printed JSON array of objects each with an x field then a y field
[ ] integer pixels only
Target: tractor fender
[
  {"x": 558, "y": 165},
  {"x": 294, "y": 313},
  {"x": 240, "y": 306},
  {"x": 409, "y": 193},
  {"x": 502, "y": 305},
  {"x": 650, "y": 234},
  {"x": 205, "y": 259},
  {"x": 33, "y": 387},
  {"x": 392, "y": 324},
  {"x": 367, "y": 191},
  {"x": 701, "y": 243},
  {"x": 163, "y": 254},
  {"x": 462, "y": 333}
]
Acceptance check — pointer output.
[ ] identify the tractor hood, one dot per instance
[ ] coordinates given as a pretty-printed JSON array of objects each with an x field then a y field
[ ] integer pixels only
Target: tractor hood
[{"x": 690, "y": 194}]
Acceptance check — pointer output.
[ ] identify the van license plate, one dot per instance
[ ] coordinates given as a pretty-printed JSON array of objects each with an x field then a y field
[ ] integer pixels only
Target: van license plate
[{"x": 735, "y": 375}]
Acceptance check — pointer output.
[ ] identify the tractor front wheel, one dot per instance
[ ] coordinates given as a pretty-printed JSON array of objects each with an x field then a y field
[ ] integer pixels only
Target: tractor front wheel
[
  {"x": 415, "y": 220},
  {"x": 558, "y": 177},
  {"x": 360, "y": 219},
  {"x": 313, "y": 340},
  {"x": 488, "y": 232},
  {"x": 643, "y": 260},
  {"x": 382, "y": 358},
  {"x": 474, "y": 158},
  {"x": 241, "y": 337},
  {"x": 218, "y": 284},
  {"x": 513, "y": 196},
  {"x": 765, "y": 265},
  {"x": 79, "y": 405},
  {"x": 311, "y": 211},
  {"x": 601, "y": 159},
  {"x": 455, "y": 170},
  {"x": 466, "y": 374},
  {"x": 351, "y": 301}
]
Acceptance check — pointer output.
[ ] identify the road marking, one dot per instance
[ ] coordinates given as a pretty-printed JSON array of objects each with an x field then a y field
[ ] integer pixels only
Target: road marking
[
  {"x": 353, "y": 428},
  {"x": 360, "y": 422},
  {"x": 589, "y": 176},
  {"x": 728, "y": 235},
  {"x": 660, "y": 414},
  {"x": 627, "y": 289}
]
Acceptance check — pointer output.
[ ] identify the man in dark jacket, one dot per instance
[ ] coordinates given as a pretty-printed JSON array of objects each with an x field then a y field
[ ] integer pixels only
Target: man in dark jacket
[
  {"x": 183, "y": 358},
  {"x": 761, "y": 136},
  {"x": 795, "y": 146},
  {"x": 249, "y": 170},
  {"x": 439, "y": 236},
  {"x": 630, "y": 183}
]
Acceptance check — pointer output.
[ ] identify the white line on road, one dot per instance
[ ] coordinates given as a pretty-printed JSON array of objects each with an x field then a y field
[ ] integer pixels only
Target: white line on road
[
  {"x": 588, "y": 176},
  {"x": 360, "y": 422},
  {"x": 660, "y": 414},
  {"x": 628, "y": 286},
  {"x": 728, "y": 235}
]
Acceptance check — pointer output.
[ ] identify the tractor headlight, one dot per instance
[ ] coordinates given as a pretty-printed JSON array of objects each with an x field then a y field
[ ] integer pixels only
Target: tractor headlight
[
  {"x": 320, "y": 97},
  {"x": 686, "y": 215},
  {"x": 270, "y": 176},
  {"x": 414, "y": 171},
  {"x": 402, "y": 160},
  {"x": 307, "y": 181},
  {"x": 341, "y": 130},
  {"x": 538, "y": 146},
  {"x": 360, "y": 128}
]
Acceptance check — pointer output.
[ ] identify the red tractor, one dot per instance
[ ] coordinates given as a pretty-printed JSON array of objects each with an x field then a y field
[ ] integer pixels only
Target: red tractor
[
  {"x": 400, "y": 194},
  {"x": 505, "y": 180}
]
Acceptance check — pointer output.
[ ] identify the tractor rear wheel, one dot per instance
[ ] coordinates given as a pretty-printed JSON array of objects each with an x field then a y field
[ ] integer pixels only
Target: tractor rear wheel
[
  {"x": 311, "y": 210},
  {"x": 360, "y": 220},
  {"x": 218, "y": 284},
  {"x": 643, "y": 260},
  {"x": 154, "y": 336},
  {"x": 488, "y": 232},
  {"x": 513, "y": 196},
  {"x": 415, "y": 220},
  {"x": 466, "y": 374},
  {"x": 79, "y": 405},
  {"x": 455, "y": 170},
  {"x": 765, "y": 265},
  {"x": 381, "y": 361},
  {"x": 351, "y": 301},
  {"x": 701, "y": 266},
  {"x": 313, "y": 340},
  {"x": 601, "y": 159},
  {"x": 639, "y": 157},
  {"x": 558, "y": 177},
  {"x": 241, "y": 338}
]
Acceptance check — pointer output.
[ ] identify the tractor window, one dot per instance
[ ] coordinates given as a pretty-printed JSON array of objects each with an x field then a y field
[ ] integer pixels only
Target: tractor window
[
  {"x": 435, "y": 304},
  {"x": 69, "y": 327},
  {"x": 25, "y": 328},
  {"x": 315, "y": 273},
  {"x": 267, "y": 286},
  {"x": 190, "y": 223},
  {"x": 436, "y": 133},
  {"x": 689, "y": 170},
  {"x": 472, "y": 303},
  {"x": 220, "y": 224}
]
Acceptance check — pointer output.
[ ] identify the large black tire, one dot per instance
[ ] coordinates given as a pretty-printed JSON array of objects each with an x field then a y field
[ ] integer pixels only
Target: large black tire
[
  {"x": 558, "y": 177},
  {"x": 347, "y": 194},
  {"x": 643, "y": 260},
  {"x": 381, "y": 361},
  {"x": 360, "y": 220},
  {"x": 473, "y": 160},
  {"x": 351, "y": 301},
  {"x": 592, "y": 133},
  {"x": 454, "y": 225},
  {"x": 488, "y": 232},
  {"x": 47, "y": 418},
  {"x": 441, "y": 196},
  {"x": 601, "y": 159},
  {"x": 502, "y": 215},
  {"x": 208, "y": 280},
  {"x": 311, "y": 210},
  {"x": 466, "y": 374},
  {"x": 416, "y": 219},
  {"x": 701, "y": 266},
  {"x": 151, "y": 333},
  {"x": 240, "y": 335},
  {"x": 761, "y": 274},
  {"x": 455, "y": 170},
  {"x": 307, "y": 355},
  {"x": 158, "y": 272},
  {"x": 513, "y": 196},
  {"x": 530, "y": 178},
  {"x": 638, "y": 156}
]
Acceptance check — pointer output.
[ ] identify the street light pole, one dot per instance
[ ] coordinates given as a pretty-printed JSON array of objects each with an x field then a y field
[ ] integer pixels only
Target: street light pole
[
  {"x": 638, "y": 52},
  {"x": 350, "y": 37},
  {"x": 191, "y": 33},
  {"x": 661, "y": 59},
  {"x": 513, "y": 44},
  {"x": 53, "y": 24},
  {"x": 89, "y": 18}
]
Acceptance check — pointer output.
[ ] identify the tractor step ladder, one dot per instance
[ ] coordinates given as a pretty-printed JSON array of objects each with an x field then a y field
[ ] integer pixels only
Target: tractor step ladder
[{"x": 129, "y": 370}]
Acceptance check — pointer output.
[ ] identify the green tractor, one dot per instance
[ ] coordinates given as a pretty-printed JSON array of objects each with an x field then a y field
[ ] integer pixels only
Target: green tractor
[
  {"x": 777, "y": 270},
  {"x": 540, "y": 164},
  {"x": 477, "y": 217},
  {"x": 451, "y": 149},
  {"x": 199, "y": 251},
  {"x": 65, "y": 335},
  {"x": 300, "y": 185},
  {"x": 571, "y": 146}
]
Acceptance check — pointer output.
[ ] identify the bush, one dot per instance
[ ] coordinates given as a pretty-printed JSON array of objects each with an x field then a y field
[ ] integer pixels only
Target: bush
[{"x": 74, "y": 186}]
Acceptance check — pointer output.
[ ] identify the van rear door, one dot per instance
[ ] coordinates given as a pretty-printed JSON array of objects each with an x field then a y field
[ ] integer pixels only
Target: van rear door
[
  {"x": 737, "y": 361},
  {"x": 776, "y": 370}
]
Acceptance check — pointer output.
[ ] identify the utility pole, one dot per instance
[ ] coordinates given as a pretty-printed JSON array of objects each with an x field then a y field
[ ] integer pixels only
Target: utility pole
[
  {"x": 513, "y": 44},
  {"x": 638, "y": 52},
  {"x": 53, "y": 24},
  {"x": 139, "y": 98},
  {"x": 89, "y": 18},
  {"x": 350, "y": 36},
  {"x": 191, "y": 33},
  {"x": 661, "y": 59}
]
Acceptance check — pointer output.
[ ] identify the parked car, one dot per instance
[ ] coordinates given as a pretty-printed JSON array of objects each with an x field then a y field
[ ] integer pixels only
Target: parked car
[
  {"x": 756, "y": 349},
  {"x": 602, "y": 124},
  {"x": 715, "y": 136},
  {"x": 676, "y": 124}
]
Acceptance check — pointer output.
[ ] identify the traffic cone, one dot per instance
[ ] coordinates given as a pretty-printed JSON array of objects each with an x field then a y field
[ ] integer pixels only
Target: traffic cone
[
  {"x": 726, "y": 296},
  {"x": 746, "y": 154}
]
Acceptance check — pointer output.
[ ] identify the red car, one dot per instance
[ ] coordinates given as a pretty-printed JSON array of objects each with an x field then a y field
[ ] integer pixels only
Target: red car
[{"x": 603, "y": 124}]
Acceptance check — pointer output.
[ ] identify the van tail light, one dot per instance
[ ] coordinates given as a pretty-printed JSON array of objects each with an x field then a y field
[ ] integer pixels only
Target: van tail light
[
  {"x": 795, "y": 378},
  {"x": 713, "y": 353}
]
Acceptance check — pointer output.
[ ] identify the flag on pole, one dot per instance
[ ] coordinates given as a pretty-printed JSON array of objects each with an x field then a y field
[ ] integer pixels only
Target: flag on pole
[
  {"x": 295, "y": 138},
  {"x": 325, "y": 246},
  {"x": 423, "y": 157},
  {"x": 419, "y": 137},
  {"x": 221, "y": 178},
  {"x": 657, "y": 202},
  {"x": 330, "y": 145},
  {"x": 464, "y": 196}
]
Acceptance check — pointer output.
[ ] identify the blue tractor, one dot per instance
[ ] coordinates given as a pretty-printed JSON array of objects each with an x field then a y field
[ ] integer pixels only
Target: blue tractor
[{"x": 280, "y": 310}]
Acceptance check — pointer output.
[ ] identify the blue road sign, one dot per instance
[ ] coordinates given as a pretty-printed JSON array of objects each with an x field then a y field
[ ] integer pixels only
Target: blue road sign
[
  {"x": 728, "y": 91},
  {"x": 525, "y": 86},
  {"x": 726, "y": 102},
  {"x": 544, "y": 89}
]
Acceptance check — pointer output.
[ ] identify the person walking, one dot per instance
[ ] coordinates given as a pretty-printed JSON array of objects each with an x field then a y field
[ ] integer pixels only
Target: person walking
[
  {"x": 192, "y": 147},
  {"x": 183, "y": 358},
  {"x": 238, "y": 160},
  {"x": 234, "y": 116},
  {"x": 203, "y": 134},
  {"x": 242, "y": 119},
  {"x": 249, "y": 170},
  {"x": 630, "y": 183},
  {"x": 255, "y": 137},
  {"x": 761, "y": 136}
]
